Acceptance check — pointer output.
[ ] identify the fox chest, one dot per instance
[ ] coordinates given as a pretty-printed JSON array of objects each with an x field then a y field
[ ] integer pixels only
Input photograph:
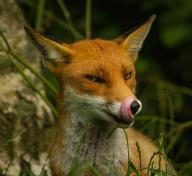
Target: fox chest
[{"x": 105, "y": 152}]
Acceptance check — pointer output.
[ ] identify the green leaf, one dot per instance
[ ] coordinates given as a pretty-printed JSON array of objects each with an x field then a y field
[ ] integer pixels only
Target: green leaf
[{"x": 173, "y": 36}]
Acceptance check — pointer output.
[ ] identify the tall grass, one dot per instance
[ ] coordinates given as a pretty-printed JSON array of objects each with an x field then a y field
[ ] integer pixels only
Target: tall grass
[{"x": 160, "y": 122}]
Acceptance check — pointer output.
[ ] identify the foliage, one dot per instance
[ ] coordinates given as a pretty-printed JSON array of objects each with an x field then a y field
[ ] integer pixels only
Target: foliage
[{"x": 163, "y": 68}]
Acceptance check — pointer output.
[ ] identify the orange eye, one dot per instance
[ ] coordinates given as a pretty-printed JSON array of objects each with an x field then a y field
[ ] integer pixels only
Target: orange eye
[
  {"x": 127, "y": 76},
  {"x": 94, "y": 78}
]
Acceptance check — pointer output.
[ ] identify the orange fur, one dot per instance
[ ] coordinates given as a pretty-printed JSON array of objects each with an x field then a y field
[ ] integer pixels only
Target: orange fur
[
  {"x": 105, "y": 59},
  {"x": 108, "y": 60}
]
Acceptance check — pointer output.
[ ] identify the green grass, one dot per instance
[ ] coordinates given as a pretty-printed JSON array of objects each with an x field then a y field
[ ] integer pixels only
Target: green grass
[
  {"x": 163, "y": 123},
  {"x": 77, "y": 169}
]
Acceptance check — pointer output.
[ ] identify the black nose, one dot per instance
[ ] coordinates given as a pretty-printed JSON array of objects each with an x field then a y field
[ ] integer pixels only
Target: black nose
[{"x": 135, "y": 107}]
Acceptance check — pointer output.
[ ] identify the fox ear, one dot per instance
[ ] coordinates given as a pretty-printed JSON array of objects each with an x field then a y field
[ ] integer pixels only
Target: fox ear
[
  {"x": 132, "y": 40},
  {"x": 53, "y": 52}
]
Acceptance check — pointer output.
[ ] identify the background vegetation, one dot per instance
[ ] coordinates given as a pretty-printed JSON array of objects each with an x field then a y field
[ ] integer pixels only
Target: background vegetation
[
  {"x": 164, "y": 65},
  {"x": 163, "y": 68}
]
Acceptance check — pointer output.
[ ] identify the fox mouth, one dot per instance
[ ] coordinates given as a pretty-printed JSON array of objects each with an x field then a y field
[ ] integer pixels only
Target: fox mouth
[{"x": 120, "y": 122}]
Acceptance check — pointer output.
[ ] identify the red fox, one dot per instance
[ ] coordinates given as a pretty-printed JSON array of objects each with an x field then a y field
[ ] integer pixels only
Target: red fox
[{"x": 96, "y": 102}]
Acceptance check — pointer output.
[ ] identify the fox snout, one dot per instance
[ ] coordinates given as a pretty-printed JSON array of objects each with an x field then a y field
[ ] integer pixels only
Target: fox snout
[
  {"x": 129, "y": 108},
  {"x": 123, "y": 113}
]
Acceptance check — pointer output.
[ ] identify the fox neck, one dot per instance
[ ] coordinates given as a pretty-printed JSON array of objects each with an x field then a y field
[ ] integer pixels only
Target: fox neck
[{"x": 95, "y": 142}]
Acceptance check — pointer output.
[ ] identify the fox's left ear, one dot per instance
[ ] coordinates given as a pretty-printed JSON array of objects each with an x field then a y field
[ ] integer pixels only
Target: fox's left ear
[
  {"x": 132, "y": 40},
  {"x": 54, "y": 53}
]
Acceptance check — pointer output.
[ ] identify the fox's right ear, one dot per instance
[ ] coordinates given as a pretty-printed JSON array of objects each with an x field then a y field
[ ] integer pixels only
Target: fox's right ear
[
  {"x": 53, "y": 52},
  {"x": 132, "y": 40}
]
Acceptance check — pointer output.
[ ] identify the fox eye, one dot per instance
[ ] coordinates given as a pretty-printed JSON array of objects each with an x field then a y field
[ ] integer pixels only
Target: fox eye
[
  {"x": 127, "y": 76},
  {"x": 94, "y": 78}
]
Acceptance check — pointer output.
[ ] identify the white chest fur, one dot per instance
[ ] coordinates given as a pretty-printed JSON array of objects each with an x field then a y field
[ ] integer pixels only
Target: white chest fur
[{"x": 95, "y": 143}]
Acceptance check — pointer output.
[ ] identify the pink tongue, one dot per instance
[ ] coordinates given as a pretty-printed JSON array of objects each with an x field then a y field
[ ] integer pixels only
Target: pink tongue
[{"x": 125, "y": 111}]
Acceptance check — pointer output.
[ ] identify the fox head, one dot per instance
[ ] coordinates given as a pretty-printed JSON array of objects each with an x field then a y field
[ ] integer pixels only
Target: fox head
[{"x": 97, "y": 76}]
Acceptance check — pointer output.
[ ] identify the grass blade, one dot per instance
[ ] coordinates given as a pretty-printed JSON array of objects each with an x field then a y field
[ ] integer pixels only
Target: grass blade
[
  {"x": 32, "y": 85},
  {"x": 67, "y": 15},
  {"x": 40, "y": 12},
  {"x": 32, "y": 70},
  {"x": 88, "y": 19}
]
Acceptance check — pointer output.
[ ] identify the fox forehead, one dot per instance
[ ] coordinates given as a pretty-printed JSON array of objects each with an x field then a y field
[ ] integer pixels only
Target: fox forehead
[
  {"x": 100, "y": 50},
  {"x": 99, "y": 56}
]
